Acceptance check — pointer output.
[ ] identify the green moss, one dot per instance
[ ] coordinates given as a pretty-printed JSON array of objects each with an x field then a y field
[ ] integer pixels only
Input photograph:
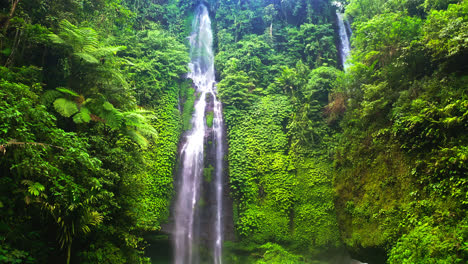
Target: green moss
[
  {"x": 187, "y": 112},
  {"x": 209, "y": 119},
  {"x": 201, "y": 202},
  {"x": 208, "y": 173},
  {"x": 188, "y": 24}
]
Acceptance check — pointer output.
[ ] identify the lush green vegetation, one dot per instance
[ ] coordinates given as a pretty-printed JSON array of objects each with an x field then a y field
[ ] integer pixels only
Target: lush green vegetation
[
  {"x": 277, "y": 64},
  {"x": 386, "y": 140},
  {"x": 401, "y": 167},
  {"x": 372, "y": 161},
  {"x": 89, "y": 128}
]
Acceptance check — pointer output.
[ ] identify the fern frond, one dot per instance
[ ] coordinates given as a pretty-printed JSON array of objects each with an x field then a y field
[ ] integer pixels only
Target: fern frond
[
  {"x": 148, "y": 131},
  {"x": 90, "y": 219},
  {"x": 139, "y": 122},
  {"x": 138, "y": 127},
  {"x": 67, "y": 91},
  {"x": 65, "y": 107},
  {"x": 108, "y": 106},
  {"x": 86, "y": 57},
  {"x": 49, "y": 97},
  {"x": 106, "y": 51},
  {"x": 56, "y": 39},
  {"x": 69, "y": 28},
  {"x": 65, "y": 24},
  {"x": 108, "y": 113},
  {"x": 113, "y": 119},
  {"x": 137, "y": 138},
  {"x": 84, "y": 116},
  {"x": 137, "y": 118},
  {"x": 113, "y": 74},
  {"x": 89, "y": 38},
  {"x": 134, "y": 119},
  {"x": 69, "y": 33},
  {"x": 95, "y": 218}
]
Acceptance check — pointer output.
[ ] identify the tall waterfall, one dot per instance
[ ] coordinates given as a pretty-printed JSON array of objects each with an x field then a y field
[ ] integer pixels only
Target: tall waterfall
[
  {"x": 190, "y": 212},
  {"x": 345, "y": 47}
]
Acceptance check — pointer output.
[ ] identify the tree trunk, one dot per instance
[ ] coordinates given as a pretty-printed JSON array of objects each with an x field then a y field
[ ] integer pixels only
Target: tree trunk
[
  {"x": 16, "y": 41},
  {"x": 12, "y": 11}
]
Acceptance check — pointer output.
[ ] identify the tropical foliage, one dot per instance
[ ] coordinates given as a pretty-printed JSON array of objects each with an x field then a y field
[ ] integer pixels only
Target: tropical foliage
[
  {"x": 369, "y": 162},
  {"x": 89, "y": 130}
]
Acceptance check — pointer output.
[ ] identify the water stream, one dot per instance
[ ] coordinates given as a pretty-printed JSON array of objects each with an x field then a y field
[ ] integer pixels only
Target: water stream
[
  {"x": 191, "y": 230},
  {"x": 344, "y": 46}
]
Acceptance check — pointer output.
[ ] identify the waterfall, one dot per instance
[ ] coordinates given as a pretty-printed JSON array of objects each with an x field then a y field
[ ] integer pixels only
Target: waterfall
[
  {"x": 189, "y": 231},
  {"x": 345, "y": 47}
]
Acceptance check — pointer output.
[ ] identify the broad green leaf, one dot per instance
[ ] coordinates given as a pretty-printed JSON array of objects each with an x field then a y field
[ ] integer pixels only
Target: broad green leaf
[{"x": 65, "y": 107}]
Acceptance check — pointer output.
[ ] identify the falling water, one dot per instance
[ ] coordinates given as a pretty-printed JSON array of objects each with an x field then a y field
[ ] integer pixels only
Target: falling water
[
  {"x": 345, "y": 47},
  {"x": 187, "y": 233}
]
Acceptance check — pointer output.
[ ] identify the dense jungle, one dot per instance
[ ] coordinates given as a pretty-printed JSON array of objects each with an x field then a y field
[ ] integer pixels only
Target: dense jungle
[{"x": 329, "y": 159}]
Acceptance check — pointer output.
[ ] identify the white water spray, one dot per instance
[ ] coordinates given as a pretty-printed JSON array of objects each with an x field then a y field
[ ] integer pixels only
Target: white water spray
[
  {"x": 345, "y": 46},
  {"x": 187, "y": 223}
]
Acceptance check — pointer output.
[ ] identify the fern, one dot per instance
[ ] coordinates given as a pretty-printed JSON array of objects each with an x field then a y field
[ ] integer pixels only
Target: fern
[
  {"x": 90, "y": 218},
  {"x": 84, "y": 43},
  {"x": 134, "y": 124},
  {"x": 50, "y": 96},
  {"x": 86, "y": 57},
  {"x": 88, "y": 39},
  {"x": 106, "y": 51},
  {"x": 109, "y": 113},
  {"x": 137, "y": 138},
  {"x": 108, "y": 106},
  {"x": 56, "y": 39},
  {"x": 114, "y": 74},
  {"x": 84, "y": 116},
  {"x": 65, "y": 107},
  {"x": 135, "y": 118},
  {"x": 138, "y": 128},
  {"x": 67, "y": 91},
  {"x": 113, "y": 119}
]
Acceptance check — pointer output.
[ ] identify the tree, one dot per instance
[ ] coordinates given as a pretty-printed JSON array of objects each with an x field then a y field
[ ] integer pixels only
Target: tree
[
  {"x": 384, "y": 37},
  {"x": 313, "y": 44},
  {"x": 94, "y": 68},
  {"x": 157, "y": 60},
  {"x": 445, "y": 32},
  {"x": 234, "y": 89}
]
